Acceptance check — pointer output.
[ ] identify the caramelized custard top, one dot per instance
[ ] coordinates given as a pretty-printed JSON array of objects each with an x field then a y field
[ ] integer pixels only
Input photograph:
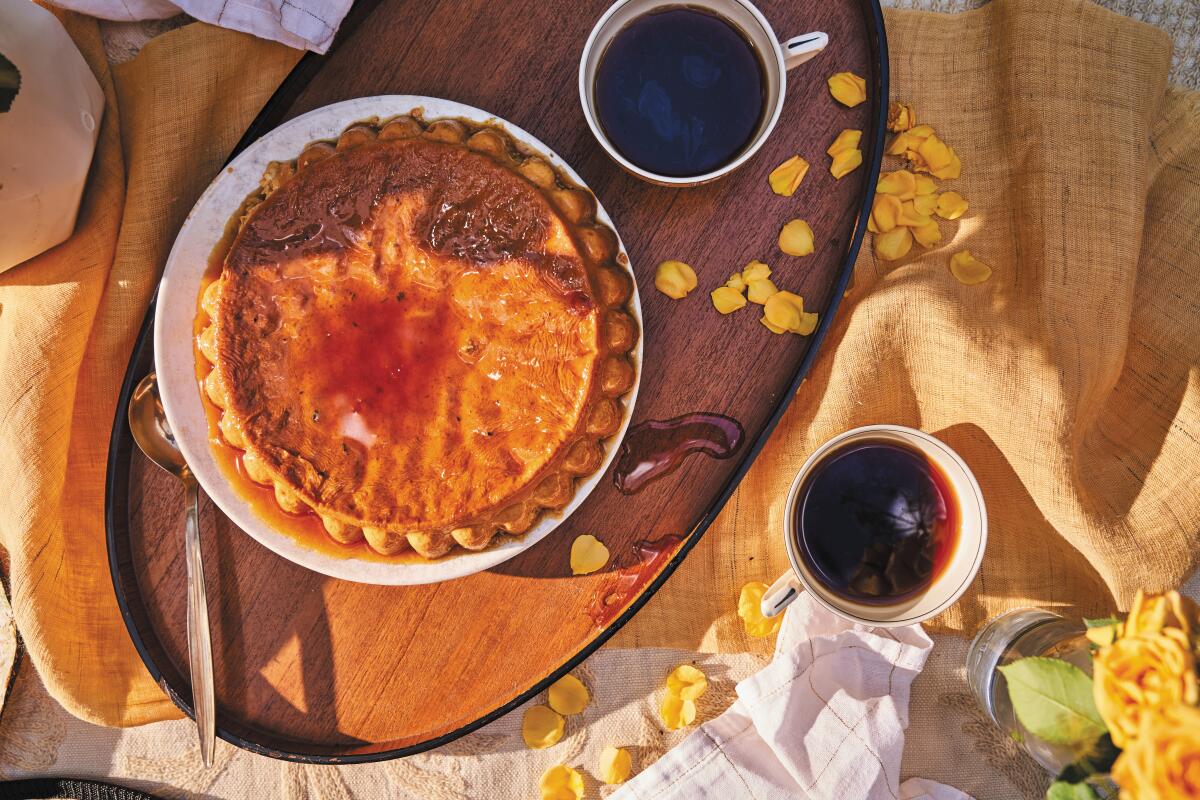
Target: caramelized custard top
[{"x": 408, "y": 335}]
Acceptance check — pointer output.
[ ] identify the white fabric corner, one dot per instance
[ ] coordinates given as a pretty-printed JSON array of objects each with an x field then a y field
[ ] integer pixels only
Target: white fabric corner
[{"x": 825, "y": 719}]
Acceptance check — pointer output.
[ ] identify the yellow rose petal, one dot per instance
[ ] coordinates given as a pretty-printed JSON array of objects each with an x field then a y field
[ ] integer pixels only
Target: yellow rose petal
[
  {"x": 950, "y": 171},
  {"x": 968, "y": 269},
  {"x": 541, "y": 727},
  {"x": 885, "y": 213},
  {"x": 588, "y": 554},
  {"x": 901, "y": 183},
  {"x": 951, "y": 205},
  {"x": 675, "y": 279},
  {"x": 568, "y": 695},
  {"x": 918, "y": 134},
  {"x": 754, "y": 271},
  {"x": 759, "y": 291},
  {"x": 899, "y": 145},
  {"x": 808, "y": 323},
  {"x": 925, "y": 203},
  {"x": 687, "y": 681},
  {"x": 1153, "y": 613},
  {"x": 1136, "y": 675},
  {"x": 615, "y": 765},
  {"x": 928, "y": 235},
  {"x": 671, "y": 711},
  {"x": 784, "y": 310},
  {"x": 845, "y": 162},
  {"x": 894, "y": 244},
  {"x": 737, "y": 282},
  {"x": 925, "y": 185},
  {"x": 771, "y": 326},
  {"x": 676, "y": 712},
  {"x": 901, "y": 116},
  {"x": 727, "y": 300},
  {"x": 846, "y": 140},
  {"x": 1102, "y": 636},
  {"x": 1163, "y": 761},
  {"x": 750, "y": 610},
  {"x": 785, "y": 178},
  {"x": 937, "y": 154},
  {"x": 910, "y": 217},
  {"x": 560, "y": 782},
  {"x": 796, "y": 238},
  {"x": 847, "y": 88}
]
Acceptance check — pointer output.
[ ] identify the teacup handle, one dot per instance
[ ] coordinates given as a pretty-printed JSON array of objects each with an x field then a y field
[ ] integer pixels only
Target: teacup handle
[
  {"x": 801, "y": 48},
  {"x": 781, "y": 594}
]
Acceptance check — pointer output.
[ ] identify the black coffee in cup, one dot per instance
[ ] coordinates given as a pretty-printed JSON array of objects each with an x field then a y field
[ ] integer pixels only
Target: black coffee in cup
[
  {"x": 876, "y": 521},
  {"x": 680, "y": 91}
]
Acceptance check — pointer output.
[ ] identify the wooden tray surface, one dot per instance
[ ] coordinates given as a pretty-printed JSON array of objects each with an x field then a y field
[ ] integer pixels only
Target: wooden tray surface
[{"x": 316, "y": 669}]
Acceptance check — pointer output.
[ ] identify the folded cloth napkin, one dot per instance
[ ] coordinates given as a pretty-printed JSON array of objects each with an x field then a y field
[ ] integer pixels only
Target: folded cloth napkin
[
  {"x": 824, "y": 719},
  {"x": 303, "y": 24}
]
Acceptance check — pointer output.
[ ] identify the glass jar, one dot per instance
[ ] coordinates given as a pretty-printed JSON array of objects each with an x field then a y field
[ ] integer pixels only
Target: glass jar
[{"x": 1018, "y": 634}]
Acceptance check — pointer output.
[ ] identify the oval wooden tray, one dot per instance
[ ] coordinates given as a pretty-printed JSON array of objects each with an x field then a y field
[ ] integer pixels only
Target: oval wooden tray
[{"x": 315, "y": 669}]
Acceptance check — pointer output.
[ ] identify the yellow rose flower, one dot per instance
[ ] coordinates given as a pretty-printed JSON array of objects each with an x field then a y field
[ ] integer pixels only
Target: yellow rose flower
[
  {"x": 1139, "y": 673},
  {"x": 1153, "y": 614},
  {"x": 1163, "y": 762}
]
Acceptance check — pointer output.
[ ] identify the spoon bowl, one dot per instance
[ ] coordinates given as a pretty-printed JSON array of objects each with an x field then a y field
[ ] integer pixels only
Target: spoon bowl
[{"x": 148, "y": 423}]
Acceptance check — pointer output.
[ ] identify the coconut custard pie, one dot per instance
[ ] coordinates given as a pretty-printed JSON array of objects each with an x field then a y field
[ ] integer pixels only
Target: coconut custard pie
[{"x": 419, "y": 333}]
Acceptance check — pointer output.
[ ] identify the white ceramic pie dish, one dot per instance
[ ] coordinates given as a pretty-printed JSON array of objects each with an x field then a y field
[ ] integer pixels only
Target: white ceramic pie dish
[{"x": 174, "y": 352}]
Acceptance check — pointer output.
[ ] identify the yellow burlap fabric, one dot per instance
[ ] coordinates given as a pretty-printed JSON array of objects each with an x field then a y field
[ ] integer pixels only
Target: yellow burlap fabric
[
  {"x": 68, "y": 319},
  {"x": 1069, "y": 382}
]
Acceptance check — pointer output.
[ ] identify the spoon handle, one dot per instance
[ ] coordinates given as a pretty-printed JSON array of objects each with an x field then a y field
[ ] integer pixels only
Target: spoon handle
[{"x": 199, "y": 639}]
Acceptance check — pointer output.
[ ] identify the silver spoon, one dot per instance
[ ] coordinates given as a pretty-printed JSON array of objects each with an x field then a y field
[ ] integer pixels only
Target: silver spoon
[{"x": 152, "y": 433}]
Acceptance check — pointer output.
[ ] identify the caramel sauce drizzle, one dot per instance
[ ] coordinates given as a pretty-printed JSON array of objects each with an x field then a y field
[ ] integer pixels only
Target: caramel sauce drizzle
[{"x": 620, "y": 588}]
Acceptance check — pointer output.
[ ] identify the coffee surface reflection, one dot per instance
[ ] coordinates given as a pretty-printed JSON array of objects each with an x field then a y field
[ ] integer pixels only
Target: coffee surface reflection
[
  {"x": 877, "y": 522},
  {"x": 680, "y": 92}
]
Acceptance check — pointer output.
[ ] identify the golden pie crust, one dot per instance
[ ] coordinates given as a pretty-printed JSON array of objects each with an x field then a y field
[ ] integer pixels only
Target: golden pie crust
[{"x": 419, "y": 332}]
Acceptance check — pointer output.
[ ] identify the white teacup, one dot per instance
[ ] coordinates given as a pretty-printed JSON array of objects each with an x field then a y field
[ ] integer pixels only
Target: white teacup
[
  {"x": 946, "y": 588},
  {"x": 776, "y": 59}
]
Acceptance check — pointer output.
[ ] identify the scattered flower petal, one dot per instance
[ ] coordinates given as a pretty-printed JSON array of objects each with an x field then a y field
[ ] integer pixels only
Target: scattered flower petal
[
  {"x": 847, "y": 88},
  {"x": 951, "y": 205},
  {"x": 560, "y": 782},
  {"x": 750, "y": 610},
  {"x": 615, "y": 765},
  {"x": 727, "y": 300},
  {"x": 785, "y": 178},
  {"x": 894, "y": 244},
  {"x": 541, "y": 727},
  {"x": 796, "y": 238},
  {"x": 568, "y": 695},
  {"x": 968, "y": 269},
  {"x": 588, "y": 554},
  {"x": 675, "y": 279}
]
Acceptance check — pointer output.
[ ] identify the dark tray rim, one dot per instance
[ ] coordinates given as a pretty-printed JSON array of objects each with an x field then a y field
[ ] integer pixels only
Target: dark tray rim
[{"x": 116, "y": 506}]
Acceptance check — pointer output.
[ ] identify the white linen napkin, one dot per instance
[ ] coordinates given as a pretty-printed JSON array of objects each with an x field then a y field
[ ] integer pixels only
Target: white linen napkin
[
  {"x": 825, "y": 719},
  {"x": 303, "y": 24}
]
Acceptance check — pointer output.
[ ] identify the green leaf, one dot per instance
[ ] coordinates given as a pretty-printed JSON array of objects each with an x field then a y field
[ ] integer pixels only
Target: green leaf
[
  {"x": 1053, "y": 700},
  {"x": 1104, "y": 622},
  {"x": 1061, "y": 790},
  {"x": 10, "y": 83}
]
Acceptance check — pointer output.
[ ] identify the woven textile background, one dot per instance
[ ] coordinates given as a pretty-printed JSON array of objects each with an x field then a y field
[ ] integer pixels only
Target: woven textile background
[{"x": 1069, "y": 382}]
